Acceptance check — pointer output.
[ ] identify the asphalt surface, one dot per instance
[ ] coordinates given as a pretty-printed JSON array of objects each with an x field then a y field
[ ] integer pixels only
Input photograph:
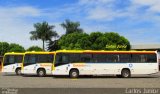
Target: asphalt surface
[{"x": 143, "y": 81}]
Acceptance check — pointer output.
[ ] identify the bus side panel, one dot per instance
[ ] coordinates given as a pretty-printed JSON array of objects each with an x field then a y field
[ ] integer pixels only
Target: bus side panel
[
  {"x": 32, "y": 69},
  {"x": 61, "y": 70},
  {"x": 107, "y": 68},
  {"x": 101, "y": 68},
  {"x": 29, "y": 69},
  {"x": 90, "y": 68},
  {"x": 9, "y": 68},
  {"x": 144, "y": 68},
  {"x": 46, "y": 66}
]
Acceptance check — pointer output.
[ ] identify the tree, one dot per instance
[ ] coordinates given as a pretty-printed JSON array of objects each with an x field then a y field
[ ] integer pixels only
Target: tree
[
  {"x": 16, "y": 48},
  {"x": 71, "y": 27},
  {"x": 43, "y": 31},
  {"x": 116, "y": 42},
  {"x": 34, "y": 48},
  {"x": 98, "y": 41},
  {"x": 53, "y": 45},
  {"x": 74, "y": 41},
  {"x": 94, "y": 41},
  {"x": 4, "y": 47}
]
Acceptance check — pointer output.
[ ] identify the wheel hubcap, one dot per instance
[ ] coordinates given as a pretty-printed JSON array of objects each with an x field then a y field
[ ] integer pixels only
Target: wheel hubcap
[
  {"x": 74, "y": 74},
  {"x": 126, "y": 74},
  {"x": 19, "y": 71},
  {"x": 41, "y": 73}
]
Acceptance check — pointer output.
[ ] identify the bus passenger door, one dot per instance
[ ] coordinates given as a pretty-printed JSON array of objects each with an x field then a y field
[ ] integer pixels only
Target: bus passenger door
[
  {"x": 30, "y": 64},
  {"x": 61, "y": 64}
]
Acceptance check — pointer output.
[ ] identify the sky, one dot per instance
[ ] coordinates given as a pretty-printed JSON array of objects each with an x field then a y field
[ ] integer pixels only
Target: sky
[{"x": 137, "y": 20}]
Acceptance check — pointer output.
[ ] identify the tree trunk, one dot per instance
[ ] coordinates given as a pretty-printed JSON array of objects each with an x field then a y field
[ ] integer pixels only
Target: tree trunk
[{"x": 43, "y": 45}]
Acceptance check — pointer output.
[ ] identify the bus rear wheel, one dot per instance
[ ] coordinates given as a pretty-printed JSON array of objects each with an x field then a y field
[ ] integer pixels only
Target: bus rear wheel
[
  {"x": 18, "y": 71},
  {"x": 126, "y": 73},
  {"x": 119, "y": 76},
  {"x": 41, "y": 72},
  {"x": 74, "y": 73}
]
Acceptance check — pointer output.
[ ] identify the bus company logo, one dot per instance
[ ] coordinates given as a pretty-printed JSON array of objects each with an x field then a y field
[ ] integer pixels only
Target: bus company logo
[
  {"x": 45, "y": 65},
  {"x": 9, "y": 91},
  {"x": 78, "y": 65},
  {"x": 130, "y": 65}
]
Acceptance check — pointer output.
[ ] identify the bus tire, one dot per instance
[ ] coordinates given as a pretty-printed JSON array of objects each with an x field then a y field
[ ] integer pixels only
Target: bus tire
[
  {"x": 119, "y": 76},
  {"x": 18, "y": 71},
  {"x": 74, "y": 73},
  {"x": 126, "y": 73},
  {"x": 41, "y": 72}
]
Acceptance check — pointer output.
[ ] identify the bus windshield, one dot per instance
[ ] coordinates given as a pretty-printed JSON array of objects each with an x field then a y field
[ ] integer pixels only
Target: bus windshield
[{"x": 11, "y": 59}]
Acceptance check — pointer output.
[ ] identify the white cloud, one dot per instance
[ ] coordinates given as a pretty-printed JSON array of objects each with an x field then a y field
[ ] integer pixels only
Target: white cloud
[
  {"x": 155, "y": 8},
  {"x": 98, "y": 9},
  {"x": 14, "y": 27},
  {"x": 154, "y": 5},
  {"x": 26, "y": 11},
  {"x": 19, "y": 11},
  {"x": 145, "y": 2},
  {"x": 103, "y": 10},
  {"x": 100, "y": 13},
  {"x": 95, "y": 1},
  {"x": 17, "y": 22}
]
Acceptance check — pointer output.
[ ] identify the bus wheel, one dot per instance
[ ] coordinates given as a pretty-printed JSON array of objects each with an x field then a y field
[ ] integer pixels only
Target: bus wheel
[
  {"x": 41, "y": 72},
  {"x": 18, "y": 71},
  {"x": 119, "y": 76},
  {"x": 126, "y": 73},
  {"x": 74, "y": 73}
]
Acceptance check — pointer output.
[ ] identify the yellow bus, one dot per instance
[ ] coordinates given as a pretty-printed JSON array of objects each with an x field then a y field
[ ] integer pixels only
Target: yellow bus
[
  {"x": 38, "y": 63},
  {"x": 12, "y": 63}
]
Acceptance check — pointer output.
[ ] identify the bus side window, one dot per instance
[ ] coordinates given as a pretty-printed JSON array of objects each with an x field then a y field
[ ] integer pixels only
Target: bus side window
[
  {"x": 112, "y": 58},
  {"x": 136, "y": 58},
  {"x": 74, "y": 58},
  {"x": 31, "y": 59},
  {"x": 18, "y": 59},
  {"x": 151, "y": 58},
  {"x": 124, "y": 58},
  {"x": 62, "y": 58},
  {"x": 65, "y": 59},
  {"x": 86, "y": 58},
  {"x": 143, "y": 58},
  {"x": 45, "y": 58}
]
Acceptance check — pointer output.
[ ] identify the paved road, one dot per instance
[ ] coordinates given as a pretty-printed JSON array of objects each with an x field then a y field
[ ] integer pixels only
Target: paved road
[{"x": 152, "y": 81}]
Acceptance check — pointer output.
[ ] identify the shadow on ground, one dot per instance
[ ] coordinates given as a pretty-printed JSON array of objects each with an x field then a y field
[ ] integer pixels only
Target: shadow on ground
[{"x": 85, "y": 77}]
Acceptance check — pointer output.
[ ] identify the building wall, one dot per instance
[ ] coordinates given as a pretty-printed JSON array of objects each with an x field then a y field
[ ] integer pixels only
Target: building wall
[{"x": 146, "y": 47}]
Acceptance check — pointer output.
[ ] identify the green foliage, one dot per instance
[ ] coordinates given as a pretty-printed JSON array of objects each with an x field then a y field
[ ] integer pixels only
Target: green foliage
[
  {"x": 34, "y": 48},
  {"x": 75, "y": 41},
  {"x": 43, "y": 31},
  {"x": 117, "y": 40},
  {"x": 4, "y": 47},
  {"x": 16, "y": 48},
  {"x": 53, "y": 45},
  {"x": 75, "y": 38},
  {"x": 94, "y": 41},
  {"x": 71, "y": 27}
]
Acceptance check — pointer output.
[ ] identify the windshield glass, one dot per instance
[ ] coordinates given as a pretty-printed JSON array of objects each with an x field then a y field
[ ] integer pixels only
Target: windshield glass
[{"x": 11, "y": 59}]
